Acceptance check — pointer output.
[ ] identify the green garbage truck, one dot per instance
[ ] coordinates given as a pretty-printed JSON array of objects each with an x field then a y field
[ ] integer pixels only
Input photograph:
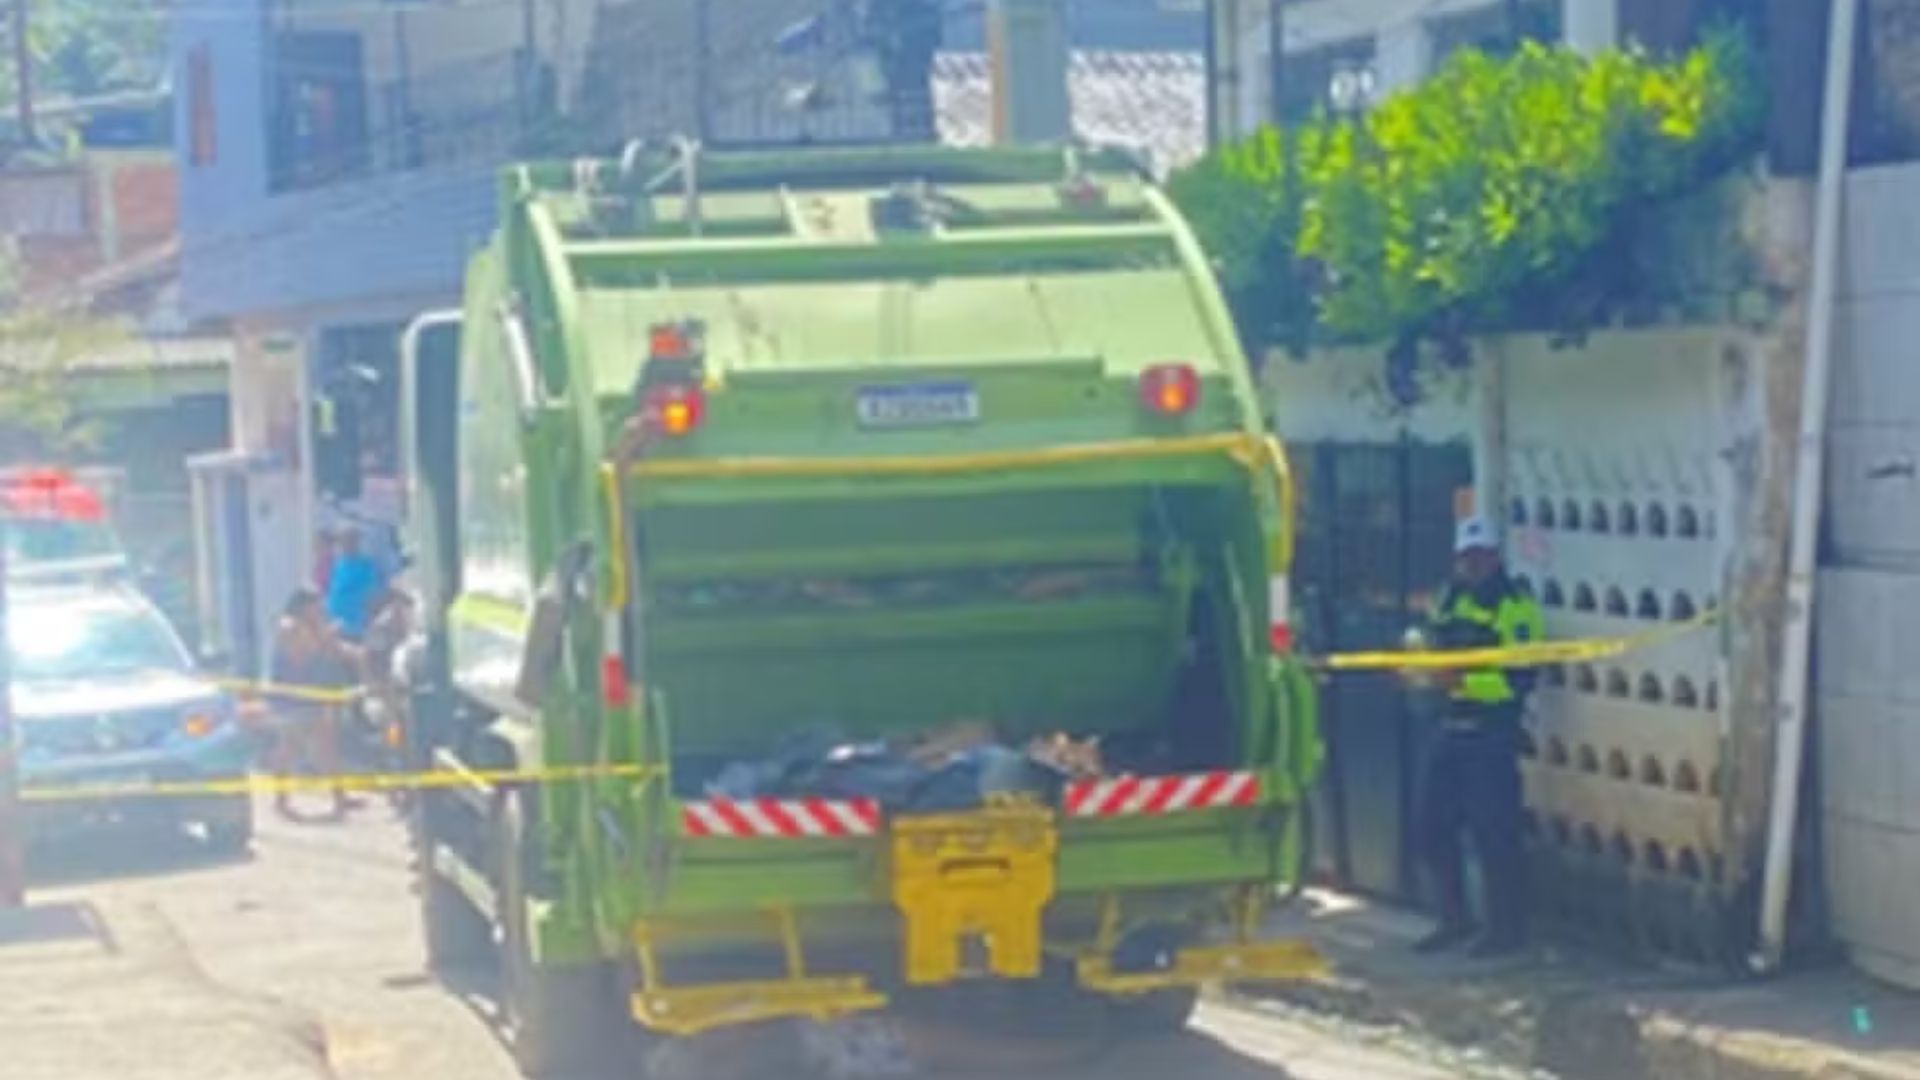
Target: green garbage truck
[{"x": 847, "y": 573}]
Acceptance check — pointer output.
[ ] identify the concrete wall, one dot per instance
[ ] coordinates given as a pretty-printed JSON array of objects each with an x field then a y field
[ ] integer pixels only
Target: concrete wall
[
  {"x": 231, "y": 35},
  {"x": 1339, "y": 395},
  {"x": 1602, "y": 465},
  {"x": 1641, "y": 476},
  {"x": 367, "y": 242},
  {"x": 1867, "y": 694}
]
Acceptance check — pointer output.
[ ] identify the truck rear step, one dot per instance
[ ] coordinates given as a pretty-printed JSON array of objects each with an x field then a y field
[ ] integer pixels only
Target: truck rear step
[{"x": 967, "y": 885}]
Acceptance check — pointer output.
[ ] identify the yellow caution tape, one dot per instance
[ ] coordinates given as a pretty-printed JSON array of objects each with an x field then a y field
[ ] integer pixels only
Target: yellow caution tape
[
  {"x": 1535, "y": 654},
  {"x": 319, "y": 695},
  {"x": 294, "y": 785}
]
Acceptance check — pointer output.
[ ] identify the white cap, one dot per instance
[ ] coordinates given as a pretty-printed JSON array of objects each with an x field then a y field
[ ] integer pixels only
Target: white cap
[{"x": 1474, "y": 532}]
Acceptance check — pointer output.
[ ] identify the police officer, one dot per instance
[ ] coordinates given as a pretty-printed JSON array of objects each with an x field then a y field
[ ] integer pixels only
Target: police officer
[{"x": 1471, "y": 784}]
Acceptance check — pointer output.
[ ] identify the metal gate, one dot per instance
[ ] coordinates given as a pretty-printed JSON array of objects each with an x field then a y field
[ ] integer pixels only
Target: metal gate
[{"x": 1376, "y": 532}]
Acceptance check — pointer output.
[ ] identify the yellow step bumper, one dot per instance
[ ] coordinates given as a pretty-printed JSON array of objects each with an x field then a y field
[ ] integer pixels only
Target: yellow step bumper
[{"x": 1253, "y": 961}]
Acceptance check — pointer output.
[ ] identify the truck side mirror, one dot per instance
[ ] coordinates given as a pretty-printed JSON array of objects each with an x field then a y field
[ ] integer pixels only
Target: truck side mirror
[
  {"x": 553, "y": 608},
  {"x": 541, "y": 655}
]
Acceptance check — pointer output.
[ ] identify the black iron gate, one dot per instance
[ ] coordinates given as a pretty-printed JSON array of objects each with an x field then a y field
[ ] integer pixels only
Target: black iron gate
[{"x": 1376, "y": 534}]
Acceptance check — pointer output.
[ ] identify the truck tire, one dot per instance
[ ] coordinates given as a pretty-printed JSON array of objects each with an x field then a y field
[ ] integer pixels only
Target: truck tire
[
  {"x": 457, "y": 935},
  {"x": 560, "y": 1021},
  {"x": 1159, "y": 1012}
]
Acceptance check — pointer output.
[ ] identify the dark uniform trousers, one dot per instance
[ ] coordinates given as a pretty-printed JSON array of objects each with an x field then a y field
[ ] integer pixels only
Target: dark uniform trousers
[{"x": 1471, "y": 788}]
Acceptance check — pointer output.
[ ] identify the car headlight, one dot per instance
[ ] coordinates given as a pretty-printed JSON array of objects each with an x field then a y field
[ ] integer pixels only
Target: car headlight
[{"x": 199, "y": 725}]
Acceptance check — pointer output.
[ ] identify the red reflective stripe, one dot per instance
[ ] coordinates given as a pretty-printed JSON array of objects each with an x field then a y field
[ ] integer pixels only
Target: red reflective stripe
[
  {"x": 1118, "y": 796},
  {"x": 692, "y": 824},
  {"x": 818, "y": 811},
  {"x": 613, "y": 682},
  {"x": 1163, "y": 793},
  {"x": 1280, "y": 638},
  {"x": 793, "y": 819},
  {"x": 783, "y": 823},
  {"x": 1077, "y": 794},
  {"x": 1249, "y": 792},
  {"x": 737, "y": 823},
  {"x": 1209, "y": 790}
]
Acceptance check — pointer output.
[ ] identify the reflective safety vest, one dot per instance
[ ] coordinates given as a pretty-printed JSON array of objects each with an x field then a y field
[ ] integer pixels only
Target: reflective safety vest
[{"x": 1462, "y": 621}]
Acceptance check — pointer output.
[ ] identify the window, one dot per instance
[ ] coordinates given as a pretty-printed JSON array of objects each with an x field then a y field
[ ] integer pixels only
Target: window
[
  {"x": 59, "y": 642},
  {"x": 319, "y": 110},
  {"x": 203, "y": 143},
  {"x": 1487, "y": 28},
  {"x": 492, "y": 499},
  {"x": 1307, "y": 78}
]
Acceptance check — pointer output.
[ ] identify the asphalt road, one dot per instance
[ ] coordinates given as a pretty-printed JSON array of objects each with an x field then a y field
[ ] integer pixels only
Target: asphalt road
[{"x": 322, "y": 918}]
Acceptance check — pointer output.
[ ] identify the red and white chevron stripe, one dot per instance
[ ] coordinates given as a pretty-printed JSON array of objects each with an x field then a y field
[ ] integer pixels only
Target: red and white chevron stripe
[
  {"x": 1127, "y": 796},
  {"x": 790, "y": 819}
]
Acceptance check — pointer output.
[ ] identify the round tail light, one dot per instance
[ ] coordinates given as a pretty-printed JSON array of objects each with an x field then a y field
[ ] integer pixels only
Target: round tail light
[
  {"x": 1170, "y": 389},
  {"x": 675, "y": 409}
]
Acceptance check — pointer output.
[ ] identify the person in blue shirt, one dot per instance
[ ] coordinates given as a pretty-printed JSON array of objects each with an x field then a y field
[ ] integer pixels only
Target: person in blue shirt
[{"x": 356, "y": 583}]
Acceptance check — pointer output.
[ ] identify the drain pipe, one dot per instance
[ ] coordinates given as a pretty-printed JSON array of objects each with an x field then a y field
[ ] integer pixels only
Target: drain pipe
[{"x": 1789, "y": 747}]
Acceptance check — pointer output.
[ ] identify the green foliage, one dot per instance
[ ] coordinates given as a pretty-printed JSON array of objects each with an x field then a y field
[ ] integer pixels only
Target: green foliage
[
  {"x": 82, "y": 47},
  {"x": 1450, "y": 207},
  {"x": 39, "y": 347},
  {"x": 1244, "y": 204}
]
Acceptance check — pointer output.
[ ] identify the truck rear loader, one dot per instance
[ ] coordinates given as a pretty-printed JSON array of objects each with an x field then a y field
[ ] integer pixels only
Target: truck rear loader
[{"x": 882, "y": 442}]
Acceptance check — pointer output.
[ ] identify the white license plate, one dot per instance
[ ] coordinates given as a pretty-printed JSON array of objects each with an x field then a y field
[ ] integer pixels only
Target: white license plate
[{"x": 917, "y": 405}]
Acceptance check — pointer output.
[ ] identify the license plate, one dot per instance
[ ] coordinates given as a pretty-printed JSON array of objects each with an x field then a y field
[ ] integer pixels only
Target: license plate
[{"x": 917, "y": 405}]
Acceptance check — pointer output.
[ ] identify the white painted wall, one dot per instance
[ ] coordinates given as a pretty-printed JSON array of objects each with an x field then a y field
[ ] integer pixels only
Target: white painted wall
[
  {"x": 1612, "y": 457},
  {"x": 1338, "y": 395},
  {"x": 1404, "y": 55},
  {"x": 1313, "y": 23},
  {"x": 1591, "y": 25}
]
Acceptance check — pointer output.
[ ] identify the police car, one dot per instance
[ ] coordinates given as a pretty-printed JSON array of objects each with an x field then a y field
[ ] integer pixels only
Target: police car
[{"x": 106, "y": 699}]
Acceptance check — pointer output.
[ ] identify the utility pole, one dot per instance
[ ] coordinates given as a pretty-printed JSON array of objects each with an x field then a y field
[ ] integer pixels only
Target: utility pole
[
  {"x": 1028, "y": 53},
  {"x": 702, "y": 86},
  {"x": 529, "y": 68},
  {"x": 1276, "y": 62},
  {"x": 23, "y": 70},
  {"x": 1513, "y": 25}
]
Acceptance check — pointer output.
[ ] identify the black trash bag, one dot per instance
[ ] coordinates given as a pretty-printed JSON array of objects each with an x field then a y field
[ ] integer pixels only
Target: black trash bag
[{"x": 1149, "y": 949}]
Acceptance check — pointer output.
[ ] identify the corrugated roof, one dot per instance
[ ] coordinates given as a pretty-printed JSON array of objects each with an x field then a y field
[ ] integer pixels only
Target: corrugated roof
[
  {"x": 1153, "y": 102},
  {"x": 159, "y": 354}
]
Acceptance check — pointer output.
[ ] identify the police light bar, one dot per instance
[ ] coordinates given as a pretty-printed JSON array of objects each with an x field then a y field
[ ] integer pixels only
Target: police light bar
[{"x": 50, "y": 494}]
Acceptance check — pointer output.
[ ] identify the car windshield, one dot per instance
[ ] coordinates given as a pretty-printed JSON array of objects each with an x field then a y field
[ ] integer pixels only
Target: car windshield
[
  {"x": 62, "y": 642},
  {"x": 31, "y": 540}
]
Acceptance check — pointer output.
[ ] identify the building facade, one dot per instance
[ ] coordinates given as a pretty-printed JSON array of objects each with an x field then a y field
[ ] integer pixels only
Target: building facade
[{"x": 1340, "y": 54}]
